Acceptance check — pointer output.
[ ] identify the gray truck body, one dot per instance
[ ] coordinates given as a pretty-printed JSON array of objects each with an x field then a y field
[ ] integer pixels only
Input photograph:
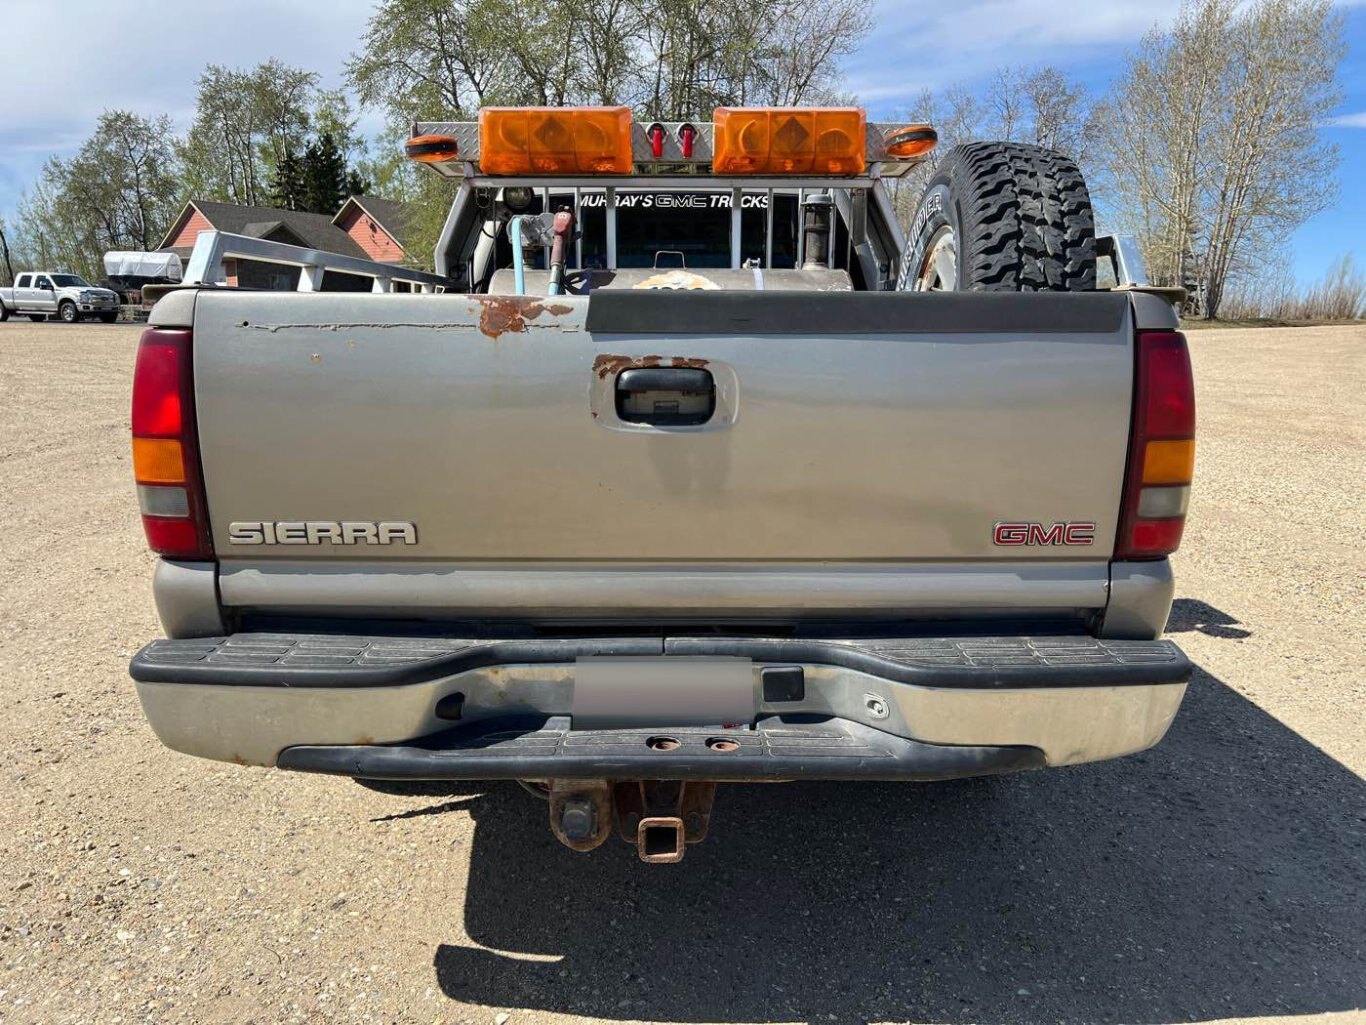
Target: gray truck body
[
  {"x": 489, "y": 423},
  {"x": 674, "y": 477},
  {"x": 863, "y": 449}
]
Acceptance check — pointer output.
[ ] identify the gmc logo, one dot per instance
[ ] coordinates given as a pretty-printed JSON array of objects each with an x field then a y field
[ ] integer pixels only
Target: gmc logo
[{"x": 1015, "y": 535}]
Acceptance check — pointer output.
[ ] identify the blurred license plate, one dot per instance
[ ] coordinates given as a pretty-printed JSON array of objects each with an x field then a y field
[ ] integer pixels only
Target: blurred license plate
[{"x": 665, "y": 690}]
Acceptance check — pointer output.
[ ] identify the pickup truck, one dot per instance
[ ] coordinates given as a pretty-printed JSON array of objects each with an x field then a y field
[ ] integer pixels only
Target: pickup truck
[
  {"x": 69, "y": 297},
  {"x": 699, "y": 470}
]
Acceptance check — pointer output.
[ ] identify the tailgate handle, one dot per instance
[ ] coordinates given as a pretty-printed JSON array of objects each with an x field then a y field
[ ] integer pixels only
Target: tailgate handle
[{"x": 666, "y": 396}]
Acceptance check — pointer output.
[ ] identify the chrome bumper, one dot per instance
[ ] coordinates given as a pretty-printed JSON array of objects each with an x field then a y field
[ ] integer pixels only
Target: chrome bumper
[{"x": 250, "y": 698}]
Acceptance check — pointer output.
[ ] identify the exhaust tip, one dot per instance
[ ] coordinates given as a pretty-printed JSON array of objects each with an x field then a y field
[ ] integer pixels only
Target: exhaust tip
[{"x": 661, "y": 840}]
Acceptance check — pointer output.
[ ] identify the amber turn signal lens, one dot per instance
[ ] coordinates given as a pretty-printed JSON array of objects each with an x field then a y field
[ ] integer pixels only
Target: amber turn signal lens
[
  {"x": 1169, "y": 462},
  {"x": 789, "y": 140},
  {"x": 555, "y": 140},
  {"x": 911, "y": 141},
  {"x": 158, "y": 461},
  {"x": 431, "y": 149}
]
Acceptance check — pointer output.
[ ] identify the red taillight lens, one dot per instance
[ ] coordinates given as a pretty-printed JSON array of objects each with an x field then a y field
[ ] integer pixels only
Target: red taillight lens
[
  {"x": 1161, "y": 448},
  {"x": 156, "y": 388},
  {"x": 1167, "y": 391},
  {"x": 166, "y": 450}
]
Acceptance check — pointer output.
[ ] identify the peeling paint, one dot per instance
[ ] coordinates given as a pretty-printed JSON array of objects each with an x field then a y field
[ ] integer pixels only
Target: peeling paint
[
  {"x": 496, "y": 318},
  {"x": 374, "y": 326},
  {"x": 510, "y": 313},
  {"x": 691, "y": 362},
  {"x": 607, "y": 365}
]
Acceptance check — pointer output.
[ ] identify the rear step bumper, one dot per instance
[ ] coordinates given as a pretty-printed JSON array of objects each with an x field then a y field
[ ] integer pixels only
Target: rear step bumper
[
  {"x": 774, "y": 749},
  {"x": 450, "y": 708}
]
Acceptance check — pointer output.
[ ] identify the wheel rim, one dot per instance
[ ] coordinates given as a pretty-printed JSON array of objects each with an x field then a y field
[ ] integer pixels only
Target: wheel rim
[
  {"x": 68, "y": 313},
  {"x": 939, "y": 270}
]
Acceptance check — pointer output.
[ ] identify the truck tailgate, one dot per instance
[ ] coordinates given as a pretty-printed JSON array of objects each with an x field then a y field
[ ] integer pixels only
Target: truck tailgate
[{"x": 852, "y": 433}]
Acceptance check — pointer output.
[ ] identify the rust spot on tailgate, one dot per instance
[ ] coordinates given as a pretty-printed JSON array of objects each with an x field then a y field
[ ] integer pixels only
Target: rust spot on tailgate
[
  {"x": 691, "y": 362},
  {"x": 509, "y": 313},
  {"x": 607, "y": 365}
]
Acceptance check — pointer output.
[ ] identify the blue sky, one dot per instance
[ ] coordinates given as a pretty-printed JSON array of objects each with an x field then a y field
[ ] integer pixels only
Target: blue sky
[{"x": 54, "y": 85}]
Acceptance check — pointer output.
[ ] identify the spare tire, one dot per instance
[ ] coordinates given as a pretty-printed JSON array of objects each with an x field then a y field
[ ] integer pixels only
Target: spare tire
[{"x": 1002, "y": 217}]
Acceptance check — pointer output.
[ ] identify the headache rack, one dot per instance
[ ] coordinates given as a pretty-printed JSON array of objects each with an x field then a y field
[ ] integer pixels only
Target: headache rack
[{"x": 830, "y": 156}]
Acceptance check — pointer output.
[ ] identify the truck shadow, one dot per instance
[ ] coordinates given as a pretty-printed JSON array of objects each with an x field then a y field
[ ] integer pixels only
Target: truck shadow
[
  {"x": 1219, "y": 875},
  {"x": 1191, "y": 614}
]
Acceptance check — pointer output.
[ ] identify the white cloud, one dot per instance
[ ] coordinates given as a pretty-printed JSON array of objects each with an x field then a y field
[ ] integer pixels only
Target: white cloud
[
  {"x": 71, "y": 67},
  {"x": 917, "y": 46},
  {"x": 1357, "y": 120}
]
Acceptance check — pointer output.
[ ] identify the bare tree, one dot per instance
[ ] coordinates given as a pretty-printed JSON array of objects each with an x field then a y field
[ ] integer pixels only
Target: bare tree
[
  {"x": 4, "y": 251},
  {"x": 119, "y": 191},
  {"x": 1212, "y": 152},
  {"x": 1060, "y": 113},
  {"x": 245, "y": 123},
  {"x": 1006, "y": 100},
  {"x": 959, "y": 116},
  {"x": 1040, "y": 105},
  {"x": 610, "y": 61},
  {"x": 669, "y": 59}
]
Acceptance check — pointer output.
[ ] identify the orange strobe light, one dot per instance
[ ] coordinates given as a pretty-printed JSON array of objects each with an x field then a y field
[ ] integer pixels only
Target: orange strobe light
[
  {"x": 431, "y": 149},
  {"x": 911, "y": 141},
  {"x": 789, "y": 140},
  {"x": 555, "y": 140}
]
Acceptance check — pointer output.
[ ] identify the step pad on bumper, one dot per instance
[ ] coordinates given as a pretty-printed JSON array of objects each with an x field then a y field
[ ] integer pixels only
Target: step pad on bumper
[
  {"x": 328, "y": 660},
  {"x": 775, "y": 749}
]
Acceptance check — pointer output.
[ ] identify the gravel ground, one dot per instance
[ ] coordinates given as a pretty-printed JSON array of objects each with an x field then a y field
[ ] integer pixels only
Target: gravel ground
[{"x": 1220, "y": 876}]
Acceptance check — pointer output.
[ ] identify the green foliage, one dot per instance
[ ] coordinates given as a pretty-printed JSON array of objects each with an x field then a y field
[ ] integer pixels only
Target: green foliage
[
  {"x": 120, "y": 191},
  {"x": 333, "y": 115},
  {"x": 318, "y": 181},
  {"x": 668, "y": 59},
  {"x": 327, "y": 180},
  {"x": 287, "y": 189},
  {"x": 246, "y": 123}
]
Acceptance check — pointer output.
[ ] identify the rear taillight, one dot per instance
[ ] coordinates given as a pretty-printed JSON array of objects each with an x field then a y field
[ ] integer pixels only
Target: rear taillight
[
  {"x": 1161, "y": 449},
  {"x": 166, "y": 448}
]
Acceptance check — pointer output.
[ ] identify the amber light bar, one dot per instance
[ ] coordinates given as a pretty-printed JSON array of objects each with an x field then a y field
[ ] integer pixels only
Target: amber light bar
[
  {"x": 555, "y": 140},
  {"x": 790, "y": 140}
]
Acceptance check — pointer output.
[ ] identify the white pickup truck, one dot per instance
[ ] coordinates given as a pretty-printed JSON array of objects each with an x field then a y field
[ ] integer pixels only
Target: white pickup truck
[
  {"x": 69, "y": 297},
  {"x": 698, "y": 469}
]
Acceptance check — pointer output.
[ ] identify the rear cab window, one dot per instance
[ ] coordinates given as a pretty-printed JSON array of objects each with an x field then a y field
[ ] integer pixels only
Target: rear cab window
[{"x": 672, "y": 229}]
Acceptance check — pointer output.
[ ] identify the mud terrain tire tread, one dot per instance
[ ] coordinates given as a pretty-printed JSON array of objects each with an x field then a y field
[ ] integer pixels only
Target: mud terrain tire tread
[{"x": 1024, "y": 221}]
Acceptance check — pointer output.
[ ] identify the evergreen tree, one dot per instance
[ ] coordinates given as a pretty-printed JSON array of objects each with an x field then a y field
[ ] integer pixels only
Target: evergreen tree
[
  {"x": 355, "y": 184},
  {"x": 326, "y": 177},
  {"x": 288, "y": 190}
]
